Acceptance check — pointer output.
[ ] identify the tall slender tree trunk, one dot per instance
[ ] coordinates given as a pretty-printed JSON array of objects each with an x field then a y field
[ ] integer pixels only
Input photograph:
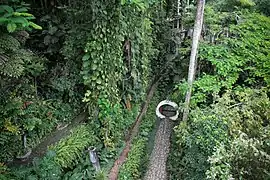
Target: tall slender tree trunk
[
  {"x": 178, "y": 13},
  {"x": 194, "y": 50}
]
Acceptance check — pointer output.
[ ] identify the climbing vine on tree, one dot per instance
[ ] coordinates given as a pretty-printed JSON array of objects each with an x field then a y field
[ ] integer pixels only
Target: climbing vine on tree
[{"x": 117, "y": 54}]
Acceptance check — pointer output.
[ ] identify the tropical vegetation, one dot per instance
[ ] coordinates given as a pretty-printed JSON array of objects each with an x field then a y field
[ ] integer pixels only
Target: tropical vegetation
[{"x": 76, "y": 74}]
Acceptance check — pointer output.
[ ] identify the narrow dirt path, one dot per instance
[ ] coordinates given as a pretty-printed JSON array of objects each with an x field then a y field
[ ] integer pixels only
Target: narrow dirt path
[
  {"x": 118, "y": 163},
  {"x": 56, "y": 136},
  {"x": 157, "y": 165}
]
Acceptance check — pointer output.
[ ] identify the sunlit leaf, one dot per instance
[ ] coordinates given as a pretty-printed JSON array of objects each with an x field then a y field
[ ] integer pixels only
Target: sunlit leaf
[{"x": 11, "y": 27}]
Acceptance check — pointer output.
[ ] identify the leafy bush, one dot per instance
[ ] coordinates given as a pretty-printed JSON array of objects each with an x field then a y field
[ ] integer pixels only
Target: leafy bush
[
  {"x": 70, "y": 149},
  {"x": 131, "y": 168},
  {"x": 82, "y": 170},
  {"x": 42, "y": 169},
  {"x": 230, "y": 139},
  {"x": 114, "y": 120},
  {"x": 244, "y": 158},
  {"x": 136, "y": 162},
  {"x": 263, "y": 6},
  {"x": 35, "y": 118},
  {"x": 97, "y": 53},
  {"x": 17, "y": 61},
  {"x": 236, "y": 56},
  {"x": 247, "y": 155},
  {"x": 16, "y": 17},
  {"x": 227, "y": 137},
  {"x": 197, "y": 140}
]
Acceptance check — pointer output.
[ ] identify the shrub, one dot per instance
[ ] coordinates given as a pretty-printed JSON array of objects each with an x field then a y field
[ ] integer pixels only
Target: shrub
[{"x": 229, "y": 139}]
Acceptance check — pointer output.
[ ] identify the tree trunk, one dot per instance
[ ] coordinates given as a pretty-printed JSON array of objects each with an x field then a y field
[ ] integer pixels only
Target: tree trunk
[
  {"x": 192, "y": 63},
  {"x": 178, "y": 14},
  {"x": 157, "y": 166}
]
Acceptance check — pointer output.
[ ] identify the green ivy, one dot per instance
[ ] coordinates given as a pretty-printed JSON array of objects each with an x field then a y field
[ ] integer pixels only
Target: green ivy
[
  {"x": 104, "y": 66},
  {"x": 110, "y": 75}
]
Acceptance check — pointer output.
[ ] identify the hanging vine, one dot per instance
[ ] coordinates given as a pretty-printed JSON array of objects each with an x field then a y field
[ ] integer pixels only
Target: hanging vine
[{"x": 116, "y": 57}]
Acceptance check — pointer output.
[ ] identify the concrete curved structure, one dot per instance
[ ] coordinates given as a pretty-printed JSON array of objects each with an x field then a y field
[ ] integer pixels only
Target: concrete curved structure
[{"x": 168, "y": 103}]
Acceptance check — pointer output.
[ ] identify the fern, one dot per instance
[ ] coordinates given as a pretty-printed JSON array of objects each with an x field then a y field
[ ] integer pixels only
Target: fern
[
  {"x": 14, "y": 60},
  {"x": 9, "y": 43},
  {"x": 69, "y": 150},
  {"x": 4, "y": 137}
]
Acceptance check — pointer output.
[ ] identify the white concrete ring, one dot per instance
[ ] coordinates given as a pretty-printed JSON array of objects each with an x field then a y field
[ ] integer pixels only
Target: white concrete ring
[{"x": 170, "y": 103}]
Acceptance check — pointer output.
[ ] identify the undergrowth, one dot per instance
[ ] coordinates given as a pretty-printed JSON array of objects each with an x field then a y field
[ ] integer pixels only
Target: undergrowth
[{"x": 137, "y": 160}]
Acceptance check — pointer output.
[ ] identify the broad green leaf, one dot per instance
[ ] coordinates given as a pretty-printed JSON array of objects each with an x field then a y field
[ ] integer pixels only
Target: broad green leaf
[
  {"x": 98, "y": 81},
  {"x": 3, "y": 20},
  {"x": 99, "y": 48},
  {"x": 123, "y": 2},
  {"x": 99, "y": 87},
  {"x": 94, "y": 67},
  {"x": 86, "y": 57},
  {"x": 6, "y": 8},
  {"x": 7, "y": 15},
  {"x": 11, "y": 27},
  {"x": 35, "y": 26},
  {"x": 86, "y": 64},
  {"x": 20, "y": 20},
  {"x": 94, "y": 78},
  {"x": 121, "y": 38},
  {"x": 23, "y": 14}
]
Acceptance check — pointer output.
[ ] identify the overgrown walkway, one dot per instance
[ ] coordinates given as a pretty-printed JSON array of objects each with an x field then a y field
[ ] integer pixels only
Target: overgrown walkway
[
  {"x": 55, "y": 137},
  {"x": 157, "y": 165},
  {"x": 133, "y": 132}
]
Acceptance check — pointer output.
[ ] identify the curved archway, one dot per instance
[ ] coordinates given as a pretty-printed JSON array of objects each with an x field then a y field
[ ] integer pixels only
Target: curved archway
[{"x": 167, "y": 109}]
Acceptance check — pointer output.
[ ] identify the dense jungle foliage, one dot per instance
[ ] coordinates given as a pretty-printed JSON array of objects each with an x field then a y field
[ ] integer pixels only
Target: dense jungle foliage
[
  {"x": 60, "y": 58},
  {"x": 227, "y": 134}
]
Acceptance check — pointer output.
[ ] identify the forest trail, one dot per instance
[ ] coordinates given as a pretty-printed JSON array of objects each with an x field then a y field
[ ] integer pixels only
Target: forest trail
[
  {"x": 133, "y": 132},
  {"x": 55, "y": 137},
  {"x": 158, "y": 159}
]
